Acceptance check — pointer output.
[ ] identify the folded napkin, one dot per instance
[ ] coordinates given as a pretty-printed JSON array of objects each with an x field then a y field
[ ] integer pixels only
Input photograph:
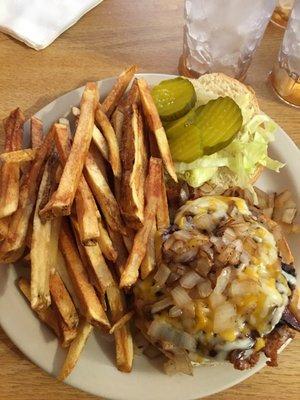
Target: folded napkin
[{"x": 39, "y": 22}]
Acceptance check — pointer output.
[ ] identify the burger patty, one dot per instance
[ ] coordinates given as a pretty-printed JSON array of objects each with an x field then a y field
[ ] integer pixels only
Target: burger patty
[{"x": 273, "y": 342}]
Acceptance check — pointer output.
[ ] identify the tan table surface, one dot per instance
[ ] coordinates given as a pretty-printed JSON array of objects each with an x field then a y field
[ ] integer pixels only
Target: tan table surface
[{"x": 114, "y": 35}]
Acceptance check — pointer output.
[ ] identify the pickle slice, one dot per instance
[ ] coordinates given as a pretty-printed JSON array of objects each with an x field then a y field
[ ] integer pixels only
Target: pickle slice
[
  {"x": 205, "y": 130},
  {"x": 179, "y": 127},
  {"x": 174, "y": 98},
  {"x": 219, "y": 122},
  {"x": 188, "y": 146}
]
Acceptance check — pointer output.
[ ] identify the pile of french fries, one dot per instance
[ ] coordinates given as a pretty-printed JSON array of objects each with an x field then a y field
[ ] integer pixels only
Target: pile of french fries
[{"x": 83, "y": 210}]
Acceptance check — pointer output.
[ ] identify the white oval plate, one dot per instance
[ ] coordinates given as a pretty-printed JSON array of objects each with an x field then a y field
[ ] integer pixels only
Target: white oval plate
[{"x": 96, "y": 372}]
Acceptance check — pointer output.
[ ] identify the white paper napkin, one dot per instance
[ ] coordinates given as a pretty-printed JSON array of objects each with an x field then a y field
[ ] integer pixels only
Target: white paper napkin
[{"x": 39, "y": 22}]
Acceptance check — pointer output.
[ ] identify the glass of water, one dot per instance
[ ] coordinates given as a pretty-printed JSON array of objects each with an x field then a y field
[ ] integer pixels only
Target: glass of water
[
  {"x": 222, "y": 35},
  {"x": 285, "y": 77}
]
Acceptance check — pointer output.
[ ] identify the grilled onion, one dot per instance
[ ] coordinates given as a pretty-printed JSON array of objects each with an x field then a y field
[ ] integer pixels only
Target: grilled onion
[
  {"x": 161, "y": 305},
  {"x": 164, "y": 331},
  {"x": 180, "y": 297},
  {"x": 190, "y": 279}
]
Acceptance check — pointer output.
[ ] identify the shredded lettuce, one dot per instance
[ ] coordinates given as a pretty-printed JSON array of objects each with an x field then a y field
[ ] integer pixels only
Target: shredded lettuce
[{"x": 240, "y": 158}]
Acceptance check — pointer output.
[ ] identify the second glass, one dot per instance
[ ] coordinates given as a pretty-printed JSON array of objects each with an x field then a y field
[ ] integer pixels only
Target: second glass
[
  {"x": 285, "y": 77},
  {"x": 222, "y": 35},
  {"x": 282, "y": 12}
]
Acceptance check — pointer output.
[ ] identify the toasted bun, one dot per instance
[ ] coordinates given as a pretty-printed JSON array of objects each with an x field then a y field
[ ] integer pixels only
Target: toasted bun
[{"x": 212, "y": 86}]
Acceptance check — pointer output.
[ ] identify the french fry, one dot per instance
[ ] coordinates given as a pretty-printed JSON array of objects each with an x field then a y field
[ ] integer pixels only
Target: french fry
[
  {"x": 117, "y": 121},
  {"x": 120, "y": 247},
  {"x": 61, "y": 268},
  {"x": 134, "y": 166},
  {"x": 128, "y": 239},
  {"x": 91, "y": 306},
  {"x": 98, "y": 139},
  {"x": 105, "y": 243},
  {"x": 129, "y": 99},
  {"x": 76, "y": 347},
  {"x": 153, "y": 147},
  {"x": 91, "y": 277},
  {"x": 54, "y": 174},
  {"x": 36, "y": 132},
  {"x": 124, "y": 107},
  {"x": 4, "y": 223},
  {"x": 100, "y": 142},
  {"x": 44, "y": 242},
  {"x": 26, "y": 259},
  {"x": 18, "y": 156},
  {"x": 13, "y": 127},
  {"x": 123, "y": 337},
  {"x": 48, "y": 316},
  {"x": 85, "y": 204},
  {"x": 124, "y": 348},
  {"x": 149, "y": 260},
  {"x": 66, "y": 122},
  {"x": 103, "y": 195},
  {"x": 13, "y": 246},
  {"x": 121, "y": 322},
  {"x": 63, "y": 302},
  {"x": 103, "y": 239},
  {"x": 53, "y": 244},
  {"x": 87, "y": 213},
  {"x": 36, "y": 136},
  {"x": 10, "y": 173},
  {"x": 61, "y": 200},
  {"x": 101, "y": 275},
  {"x": 66, "y": 334},
  {"x": 66, "y": 314},
  {"x": 153, "y": 189},
  {"x": 158, "y": 243},
  {"x": 132, "y": 97},
  {"x": 112, "y": 143},
  {"x": 156, "y": 127},
  {"x": 28, "y": 238},
  {"x": 99, "y": 160},
  {"x": 113, "y": 98},
  {"x": 162, "y": 216}
]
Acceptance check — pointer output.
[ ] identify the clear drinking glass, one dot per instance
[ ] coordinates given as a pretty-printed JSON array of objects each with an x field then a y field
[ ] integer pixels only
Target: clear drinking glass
[
  {"x": 285, "y": 77},
  {"x": 282, "y": 12},
  {"x": 222, "y": 35}
]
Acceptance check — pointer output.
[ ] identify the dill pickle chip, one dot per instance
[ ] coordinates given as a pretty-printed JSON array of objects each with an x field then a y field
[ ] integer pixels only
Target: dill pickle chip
[
  {"x": 174, "y": 98},
  {"x": 188, "y": 146},
  {"x": 179, "y": 127},
  {"x": 205, "y": 130},
  {"x": 198, "y": 112},
  {"x": 219, "y": 121}
]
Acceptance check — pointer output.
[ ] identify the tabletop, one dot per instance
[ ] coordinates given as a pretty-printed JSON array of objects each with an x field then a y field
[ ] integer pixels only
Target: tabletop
[{"x": 112, "y": 36}]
